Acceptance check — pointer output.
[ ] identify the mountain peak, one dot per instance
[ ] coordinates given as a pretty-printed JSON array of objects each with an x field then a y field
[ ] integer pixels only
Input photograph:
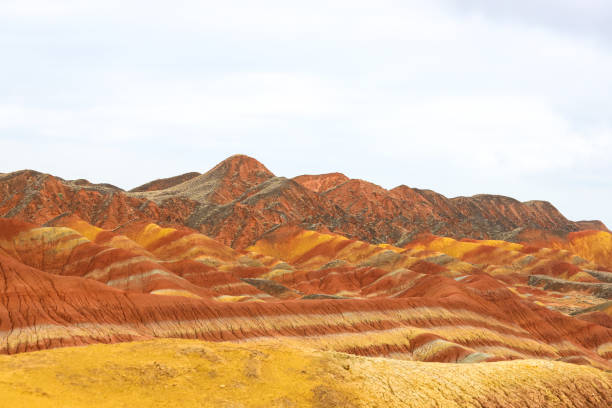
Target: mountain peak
[
  {"x": 239, "y": 199},
  {"x": 242, "y": 165},
  {"x": 222, "y": 184}
]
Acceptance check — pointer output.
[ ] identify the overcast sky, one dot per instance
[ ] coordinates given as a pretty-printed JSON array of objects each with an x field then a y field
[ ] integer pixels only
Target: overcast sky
[{"x": 462, "y": 97}]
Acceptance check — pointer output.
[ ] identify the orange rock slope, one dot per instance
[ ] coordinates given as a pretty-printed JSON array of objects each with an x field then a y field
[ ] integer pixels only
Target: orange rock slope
[
  {"x": 72, "y": 283},
  {"x": 324, "y": 262}
]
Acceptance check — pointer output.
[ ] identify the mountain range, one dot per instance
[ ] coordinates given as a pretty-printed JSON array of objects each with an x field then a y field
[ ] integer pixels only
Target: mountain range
[
  {"x": 240, "y": 200},
  {"x": 315, "y": 264}
]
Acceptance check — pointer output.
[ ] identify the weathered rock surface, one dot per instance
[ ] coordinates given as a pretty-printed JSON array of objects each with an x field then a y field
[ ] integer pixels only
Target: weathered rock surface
[
  {"x": 78, "y": 284},
  {"x": 602, "y": 290},
  {"x": 240, "y": 200},
  {"x": 162, "y": 184},
  {"x": 323, "y": 262},
  {"x": 187, "y": 373}
]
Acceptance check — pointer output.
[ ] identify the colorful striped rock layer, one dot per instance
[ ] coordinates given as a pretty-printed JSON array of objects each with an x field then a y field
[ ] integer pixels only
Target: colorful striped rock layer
[
  {"x": 435, "y": 301},
  {"x": 272, "y": 282}
]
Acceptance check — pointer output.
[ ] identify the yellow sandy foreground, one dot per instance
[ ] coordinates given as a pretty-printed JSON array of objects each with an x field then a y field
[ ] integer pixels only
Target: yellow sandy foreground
[{"x": 189, "y": 373}]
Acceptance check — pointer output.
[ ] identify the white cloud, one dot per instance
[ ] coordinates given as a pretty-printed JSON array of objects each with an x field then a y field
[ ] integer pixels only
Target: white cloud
[
  {"x": 509, "y": 134},
  {"x": 234, "y": 103},
  {"x": 587, "y": 18},
  {"x": 353, "y": 85}
]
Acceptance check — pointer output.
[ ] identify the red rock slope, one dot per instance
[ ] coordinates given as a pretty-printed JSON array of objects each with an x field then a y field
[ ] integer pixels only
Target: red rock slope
[
  {"x": 77, "y": 284},
  {"x": 240, "y": 200},
  {"x": 162, "y": 184}
]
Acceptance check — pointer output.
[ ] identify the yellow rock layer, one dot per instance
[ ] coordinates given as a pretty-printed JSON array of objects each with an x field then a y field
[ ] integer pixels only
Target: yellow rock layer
[
  {"x": 92, "y": 233},
  {"x": 151, "y": 234},
  {"x": 187, "y": 373},
  {"x": 175, "y": 292},
  {"x": 595, "y": 246},
  {"x": 190, "y": 246},
  {"x": 323, "y": 248},
  {"x": 89, "y": 231},
  {"x": 510, "y": 256}
]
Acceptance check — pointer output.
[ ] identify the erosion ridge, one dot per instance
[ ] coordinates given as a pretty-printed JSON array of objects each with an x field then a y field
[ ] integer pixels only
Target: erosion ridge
[
  {"x": 164, "y": 183},
  {"x": 239, "y": 200},
  {"x": 438, "y": 299}
]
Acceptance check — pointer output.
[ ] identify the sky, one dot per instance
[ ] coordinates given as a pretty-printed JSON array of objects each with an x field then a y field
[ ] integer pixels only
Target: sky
[{"x": 459, "y": 96}]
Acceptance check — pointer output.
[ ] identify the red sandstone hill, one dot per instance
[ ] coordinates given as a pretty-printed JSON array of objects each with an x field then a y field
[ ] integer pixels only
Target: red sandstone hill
[
  {"x": 162, "y": 184},
  {"x": 239, "y": 200}
]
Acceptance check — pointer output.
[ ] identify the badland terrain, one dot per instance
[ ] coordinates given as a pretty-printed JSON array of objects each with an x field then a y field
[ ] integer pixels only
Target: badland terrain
[{"x": 237, "y": 287}]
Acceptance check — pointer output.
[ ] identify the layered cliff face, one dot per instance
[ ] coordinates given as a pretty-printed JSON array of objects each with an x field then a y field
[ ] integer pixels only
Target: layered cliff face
[{"x": 240, "y": 200}]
